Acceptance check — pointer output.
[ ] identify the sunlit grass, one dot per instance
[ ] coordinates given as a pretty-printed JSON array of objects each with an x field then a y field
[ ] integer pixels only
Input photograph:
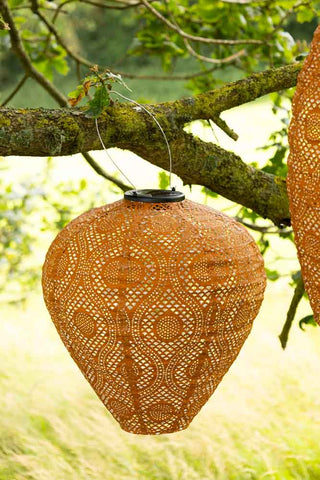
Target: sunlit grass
[{"x": 262, "y": 422}]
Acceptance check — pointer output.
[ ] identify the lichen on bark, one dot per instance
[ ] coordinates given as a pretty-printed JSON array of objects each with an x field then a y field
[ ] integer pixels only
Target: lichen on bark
[{"x": 44, "y": 132}]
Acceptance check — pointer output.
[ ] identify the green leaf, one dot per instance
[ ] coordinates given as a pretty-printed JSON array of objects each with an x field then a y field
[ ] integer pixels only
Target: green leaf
[
  {"x": 209, "y": 193},
  {"x": 61, "y": 65},
  {"x": 305, "y": 15},
  {"x": 272, "y": 275},
  {"x": 308, "y": 320},
  {"x": 59, "y": 62},
  {"x": 75, "y": 93},
  {"x": 99, "y": 102},
  {"x": 83, "y": 184},
  {"x": 45, "y": 67},
  {"x": 164, "y": 180},
  {"x": 20, "y": 20}
]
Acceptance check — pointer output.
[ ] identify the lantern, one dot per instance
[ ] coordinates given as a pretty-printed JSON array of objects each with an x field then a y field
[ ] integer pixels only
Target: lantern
[
  {"x": 304, "y": 172},
  {"x": 153, "y": 296}
]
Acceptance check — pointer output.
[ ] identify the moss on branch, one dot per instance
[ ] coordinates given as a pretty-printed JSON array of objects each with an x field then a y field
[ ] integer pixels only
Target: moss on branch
[
  {"x": 204, "y": 163},
  {"x": 62, "y": 132},
  {"x": 43, "y": 132}
]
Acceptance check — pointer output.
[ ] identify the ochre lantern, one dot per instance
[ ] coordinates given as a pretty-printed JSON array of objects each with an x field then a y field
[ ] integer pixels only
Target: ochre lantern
[
  {"x": 153, "y": 296},
  {"x": 304, "y": 172}
]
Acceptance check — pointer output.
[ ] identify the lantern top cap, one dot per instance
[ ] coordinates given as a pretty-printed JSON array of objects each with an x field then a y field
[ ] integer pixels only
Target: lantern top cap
[{"x": 154, "y": 196}]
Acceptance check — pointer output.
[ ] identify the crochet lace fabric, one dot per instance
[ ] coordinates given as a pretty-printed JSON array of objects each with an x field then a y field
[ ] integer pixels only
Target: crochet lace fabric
[
  {"x": 153, "y": 302},
  {"x": 304, "y": 172}
]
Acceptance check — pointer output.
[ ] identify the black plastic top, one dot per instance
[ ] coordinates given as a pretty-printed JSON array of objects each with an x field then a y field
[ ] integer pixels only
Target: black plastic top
[{"x": 154, "y": 196}]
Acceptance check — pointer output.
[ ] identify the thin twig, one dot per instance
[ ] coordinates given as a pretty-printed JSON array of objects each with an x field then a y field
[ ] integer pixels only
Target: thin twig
[
  {"x": 112, "y": 7},
  {"x": 27, "y": 7},
  {"x": 216, "y": 61},
  {"x": 286, "y": 16},
  {"x": 270, "y": 230},
  {"x": 100, "y": 171},
  {"x": 21, "y": 53},
  {"x": 213, "y": 132},
  {"x": 166, "y": 77},
  {"x": 244, "y": 2},
  {"x": 15, "y": 90},
  {"x": 124, "y": 2},
  {"x": 78, "y": 67},
  {"x": 83, "y": 61},
  {"x": 297, "y": 296},
  {"x": 214, "y": 41},
  {"x": 53, "y": 30},
  {"x": 53, "y": 20},
  {"x": 59, "y": 9},
  {"x": 225, "y": 128},
  {"x": 202, "y": 57}
]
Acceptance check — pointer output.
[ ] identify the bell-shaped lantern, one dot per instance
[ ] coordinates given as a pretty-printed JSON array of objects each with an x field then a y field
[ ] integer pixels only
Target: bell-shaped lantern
[
  {"x": 153, "y": 296},
  {"x": 304, "y": 172}
]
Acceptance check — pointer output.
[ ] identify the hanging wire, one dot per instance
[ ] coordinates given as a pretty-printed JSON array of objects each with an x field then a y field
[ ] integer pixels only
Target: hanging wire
[
  {"x": 212, "y": 130},
  {"x": 114, "y": 163},
  {"x": 158, "y": 125}
]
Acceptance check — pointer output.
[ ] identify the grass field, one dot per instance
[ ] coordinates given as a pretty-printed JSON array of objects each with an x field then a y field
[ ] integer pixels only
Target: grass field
[{"x": 263, "y": 422}]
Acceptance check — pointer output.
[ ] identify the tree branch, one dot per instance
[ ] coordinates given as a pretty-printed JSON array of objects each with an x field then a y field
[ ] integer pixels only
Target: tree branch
[
  {"x": 40, "y": 132},
  {"x": 210, "y": 104},
  {"x": 211, "y": 41},
  {"x": 225, "y": 128},
  {"x": 244, "y": 2},
  {"x": 126, "y": 120},
  {"x": 85, "y": 62},
  {"x": 52, "y": 29},
  {"x": 125, "y": 6},
  {"x": 18, "y": 48},
  {"x": 269, "y": 229},
  {"x": 188, "y": 76},
  {"x": 100, "y": 171},
  {"x": 297, "y": 296},
  {"x": 216, "y": 61},
  {"x": 43, "y": 132},
  {"x": 15, "y": 90}
]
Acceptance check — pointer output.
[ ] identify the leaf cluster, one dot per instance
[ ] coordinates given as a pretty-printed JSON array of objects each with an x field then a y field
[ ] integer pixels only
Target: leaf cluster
[
  {"x": 267, "y": 22},
  {"x": 30, "y": 216},
  {"x": 102, "y": 84}
]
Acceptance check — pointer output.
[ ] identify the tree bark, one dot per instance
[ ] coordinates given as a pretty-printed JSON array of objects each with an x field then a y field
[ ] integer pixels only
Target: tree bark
[{"x": 43, "y": 132}]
